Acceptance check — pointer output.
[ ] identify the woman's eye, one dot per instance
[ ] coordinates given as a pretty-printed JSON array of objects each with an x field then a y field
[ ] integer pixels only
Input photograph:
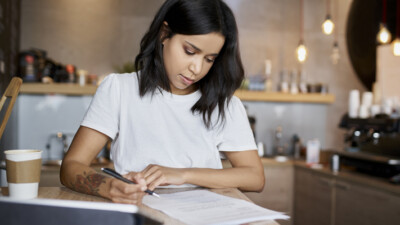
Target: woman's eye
[
  {"x": 210, "y": 60},
  {"x": 189, "y": 52}
]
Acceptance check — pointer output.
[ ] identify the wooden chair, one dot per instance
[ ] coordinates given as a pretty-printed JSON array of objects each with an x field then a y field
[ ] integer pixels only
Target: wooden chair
[{"x": 11, "y": 93}]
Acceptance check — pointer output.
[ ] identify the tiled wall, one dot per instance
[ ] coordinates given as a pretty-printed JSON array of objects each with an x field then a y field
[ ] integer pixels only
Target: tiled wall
[{"x": 96, "y": 35}]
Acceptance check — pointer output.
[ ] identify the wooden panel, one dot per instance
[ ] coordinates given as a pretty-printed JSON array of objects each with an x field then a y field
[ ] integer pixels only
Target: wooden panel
[
  {"x": 313, "y": 192},
  {"x": 278, "y": 190},
  {"x": 75, "y": 89},
  {"x": 356, "y": 204},
  {"x": 58, "y": 88},
  {"x": 284, "y": 97}
]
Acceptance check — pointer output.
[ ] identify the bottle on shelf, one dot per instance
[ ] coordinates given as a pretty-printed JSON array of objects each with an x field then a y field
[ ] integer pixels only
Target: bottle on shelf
[
  {"x": 294, "y": 89},
  {"x": 29, "y": 69},
  {"x": 268, "y": 77},
  {"x": 278, "y": 143},
  {"x": 283, "y": 83},
  {"x": 303, "y": 82},
  {"x": 82, "y": 74},
  {"x": 71, "y": 73}
]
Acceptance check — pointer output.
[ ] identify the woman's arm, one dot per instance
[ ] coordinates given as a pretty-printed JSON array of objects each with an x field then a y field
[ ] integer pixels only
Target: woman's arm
[
  {"x": 77, "y": 174},
  {"x": 247, "y": 174}
]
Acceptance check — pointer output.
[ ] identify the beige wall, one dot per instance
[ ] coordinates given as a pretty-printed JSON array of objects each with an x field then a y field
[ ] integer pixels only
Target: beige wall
[
  {"x": 95, "y": 35},
  {"x": 387, "y": 74}
]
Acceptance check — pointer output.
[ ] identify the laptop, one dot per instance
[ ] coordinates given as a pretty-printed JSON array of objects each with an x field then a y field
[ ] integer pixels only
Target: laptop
[{"x": 68, "y": 212}]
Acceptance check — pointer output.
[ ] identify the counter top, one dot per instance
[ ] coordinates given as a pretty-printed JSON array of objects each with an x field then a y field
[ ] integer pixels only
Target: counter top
[
  {"x": 67, "y": 194},
  {"x": 343, "y": 175},
  {"x": 244, "y": 95},
  {"x": 353, "y": 176}
]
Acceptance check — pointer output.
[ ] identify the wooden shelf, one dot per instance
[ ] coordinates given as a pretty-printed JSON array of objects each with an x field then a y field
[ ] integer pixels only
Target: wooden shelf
[
  {"x": 261, "y": 96},
  {"x": 57, "y": 88}
]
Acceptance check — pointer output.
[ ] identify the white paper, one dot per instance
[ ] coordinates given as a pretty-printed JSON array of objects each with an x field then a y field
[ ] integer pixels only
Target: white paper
[{"x": 201, "y": 207}]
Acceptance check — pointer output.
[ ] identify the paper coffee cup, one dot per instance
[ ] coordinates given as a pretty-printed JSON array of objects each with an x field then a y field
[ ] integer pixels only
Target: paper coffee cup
[
  {"x": 375, "y": 110},
  {"x": 367, "y": 99},
  {"x": 23, "y": 173},
  {"x": 364, "y": 113},
  {"x": 354, "y": 103}
]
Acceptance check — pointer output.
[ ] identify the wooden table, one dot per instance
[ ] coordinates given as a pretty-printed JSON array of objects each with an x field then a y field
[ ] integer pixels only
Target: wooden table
[{"x": 67, "y": 194}]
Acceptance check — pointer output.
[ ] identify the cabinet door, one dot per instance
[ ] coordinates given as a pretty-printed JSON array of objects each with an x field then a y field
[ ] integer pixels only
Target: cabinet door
[
  {"x": 312, "y": 198},
  {"x": 357, "y": 204},
  {"x": 278, "y": 190}
]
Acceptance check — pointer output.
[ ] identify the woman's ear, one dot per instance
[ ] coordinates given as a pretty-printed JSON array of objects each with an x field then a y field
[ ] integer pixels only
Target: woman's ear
[{"x": 165, "y": 32}]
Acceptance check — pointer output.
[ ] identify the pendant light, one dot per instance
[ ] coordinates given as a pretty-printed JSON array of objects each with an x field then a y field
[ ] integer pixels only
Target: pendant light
[
  {"x": 301, "y": 50},
  {"x": 396, "y": 42},
  {"x": 328, "y": 25},
  {"x": 384, "y": 36},
  {"x": 335, "y": 50}
]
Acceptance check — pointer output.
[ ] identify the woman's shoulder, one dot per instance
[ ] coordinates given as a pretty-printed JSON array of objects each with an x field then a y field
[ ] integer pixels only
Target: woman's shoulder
[
  {"x": 121, "y": 80},
  {"x": 234, "y": 102},
  {"x": 121, "y": 77}
]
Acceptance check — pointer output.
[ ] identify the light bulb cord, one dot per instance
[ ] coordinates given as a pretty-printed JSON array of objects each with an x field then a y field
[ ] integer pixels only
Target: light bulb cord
[
  {"x": 398, "y": 19},
  {"x": 301, "y": 21},
  {"x": 328, "y": 7},
  {"x": 336, "y": 31},
  {"x": 384, "y": 12}
]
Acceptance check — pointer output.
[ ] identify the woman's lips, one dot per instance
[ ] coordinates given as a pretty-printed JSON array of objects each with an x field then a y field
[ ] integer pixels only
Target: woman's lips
[{"x": 186, "y": 80}]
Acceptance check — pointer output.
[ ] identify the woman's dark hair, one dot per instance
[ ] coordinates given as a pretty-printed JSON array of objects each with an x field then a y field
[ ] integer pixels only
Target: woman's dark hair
[{"x": 194, "y": 17}]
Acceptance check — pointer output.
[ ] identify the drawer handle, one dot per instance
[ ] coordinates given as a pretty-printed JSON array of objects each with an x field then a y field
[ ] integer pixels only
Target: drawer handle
[
  {"x": 325, "y": 182},
  {"x": 343, "y": 186}
]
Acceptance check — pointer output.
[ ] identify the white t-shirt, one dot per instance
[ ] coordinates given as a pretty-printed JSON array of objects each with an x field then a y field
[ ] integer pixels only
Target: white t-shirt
[{"x": 161, "y": 129}]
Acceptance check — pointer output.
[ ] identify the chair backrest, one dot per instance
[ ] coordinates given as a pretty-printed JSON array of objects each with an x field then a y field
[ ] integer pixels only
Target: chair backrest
[{"x": 11, "y": 93}]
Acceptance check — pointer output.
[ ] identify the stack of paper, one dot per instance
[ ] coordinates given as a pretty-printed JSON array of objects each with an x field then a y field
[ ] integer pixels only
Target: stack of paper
[{"x": 205, "y": 207}]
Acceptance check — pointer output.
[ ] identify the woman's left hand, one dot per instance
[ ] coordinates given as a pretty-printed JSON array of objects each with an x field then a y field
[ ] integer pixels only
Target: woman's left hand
[{"x": 156, "y": 175}]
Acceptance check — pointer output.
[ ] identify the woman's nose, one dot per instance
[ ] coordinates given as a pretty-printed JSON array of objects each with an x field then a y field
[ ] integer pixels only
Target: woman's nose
[{"x": 196, "y": 66}]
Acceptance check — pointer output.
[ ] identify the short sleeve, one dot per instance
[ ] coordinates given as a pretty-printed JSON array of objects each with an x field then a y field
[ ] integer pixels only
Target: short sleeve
[
  {"x": 103, "y": 112},
  {"x": 236, "y": 134}
]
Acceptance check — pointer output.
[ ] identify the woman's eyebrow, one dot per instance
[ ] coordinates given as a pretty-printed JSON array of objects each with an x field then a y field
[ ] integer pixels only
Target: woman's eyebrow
[{"x": 198, "y": 49}]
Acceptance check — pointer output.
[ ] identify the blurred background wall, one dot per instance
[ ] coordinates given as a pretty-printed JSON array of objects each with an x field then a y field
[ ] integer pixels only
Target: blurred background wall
[{"x": 98, "y": 35}]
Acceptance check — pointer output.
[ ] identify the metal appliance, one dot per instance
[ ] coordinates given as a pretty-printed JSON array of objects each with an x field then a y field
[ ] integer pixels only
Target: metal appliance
[{"x": 373, "y": 145}]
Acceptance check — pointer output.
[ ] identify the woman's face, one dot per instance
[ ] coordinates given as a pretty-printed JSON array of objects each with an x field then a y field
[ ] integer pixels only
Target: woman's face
[{"x": 188, "y": 58}]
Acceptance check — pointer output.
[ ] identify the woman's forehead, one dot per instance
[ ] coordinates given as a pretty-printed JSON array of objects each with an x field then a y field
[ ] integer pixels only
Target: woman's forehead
[{"x": 210, "y": 43}]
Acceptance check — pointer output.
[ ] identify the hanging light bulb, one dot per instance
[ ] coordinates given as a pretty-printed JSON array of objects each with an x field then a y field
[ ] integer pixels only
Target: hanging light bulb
[
  {"x": 328, "y": 25},
  {"x": 384, "y": 35},
  {"x": 396, "y": 47},
  {"x": 301, "y": 52}
]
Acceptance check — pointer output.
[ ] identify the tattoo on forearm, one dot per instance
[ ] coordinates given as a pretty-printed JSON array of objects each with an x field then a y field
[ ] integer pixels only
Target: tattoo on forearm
[{"x": 88, "y": 183}]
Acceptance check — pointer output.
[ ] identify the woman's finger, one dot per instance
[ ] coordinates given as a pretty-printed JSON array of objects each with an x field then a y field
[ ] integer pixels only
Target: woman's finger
[
  {"x": 155, "y": 179},
  {"x": 122, "y": 189}
]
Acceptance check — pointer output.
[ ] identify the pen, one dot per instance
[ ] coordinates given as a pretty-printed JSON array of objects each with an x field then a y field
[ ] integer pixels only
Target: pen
[{"x": 115, "y": 174}]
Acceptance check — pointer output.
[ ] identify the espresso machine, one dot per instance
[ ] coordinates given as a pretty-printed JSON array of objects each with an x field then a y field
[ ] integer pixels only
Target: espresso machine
[{"x": 373, "y": 145}]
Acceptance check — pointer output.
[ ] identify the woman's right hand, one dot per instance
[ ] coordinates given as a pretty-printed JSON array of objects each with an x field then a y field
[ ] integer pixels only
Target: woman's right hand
[{"x": 121, "y": 192}]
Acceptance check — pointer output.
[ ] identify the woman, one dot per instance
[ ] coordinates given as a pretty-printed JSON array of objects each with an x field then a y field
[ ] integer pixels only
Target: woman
[{"x": 170, "y": 121}]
